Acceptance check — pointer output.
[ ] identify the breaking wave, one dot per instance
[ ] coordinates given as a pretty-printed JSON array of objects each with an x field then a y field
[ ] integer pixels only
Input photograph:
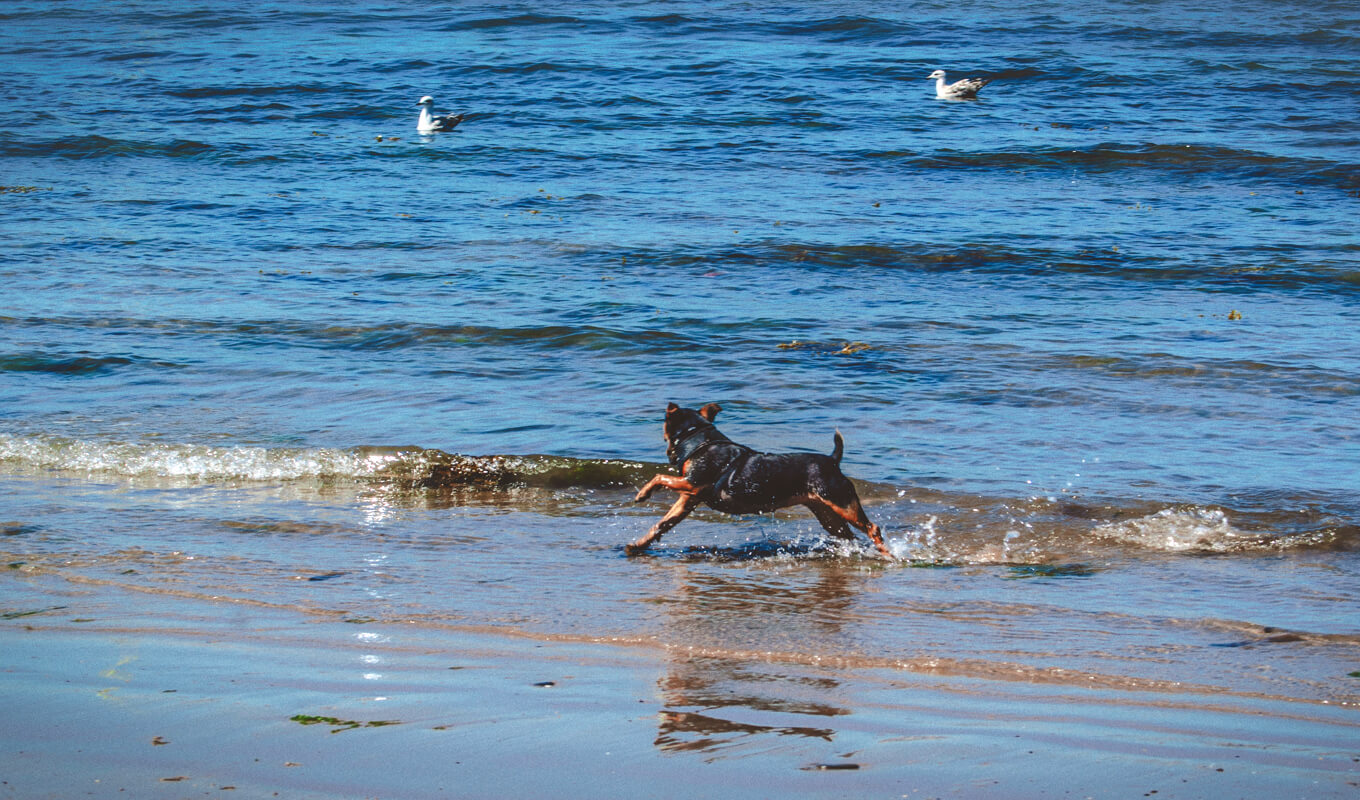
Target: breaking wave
[
  {"x": 926, "y": 527},
  {"x": 409, "y": 466}
]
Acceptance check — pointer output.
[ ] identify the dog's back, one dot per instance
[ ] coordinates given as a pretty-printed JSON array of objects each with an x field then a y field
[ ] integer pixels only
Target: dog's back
[{"x": 762, "y": 482}]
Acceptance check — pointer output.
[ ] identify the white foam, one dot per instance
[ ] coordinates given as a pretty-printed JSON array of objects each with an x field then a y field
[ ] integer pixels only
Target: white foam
[
  {"x": 916, "y": 543},
  {"x": 1178, "y": 530},
  {"x": 188, "y": 461}
]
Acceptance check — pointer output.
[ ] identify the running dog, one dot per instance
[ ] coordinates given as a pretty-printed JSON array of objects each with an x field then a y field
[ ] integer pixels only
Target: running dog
[{"x": 735, "y": 479}]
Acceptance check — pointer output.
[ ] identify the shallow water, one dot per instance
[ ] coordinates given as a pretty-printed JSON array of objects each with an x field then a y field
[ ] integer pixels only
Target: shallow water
[{"x": 1091, "y": 339}]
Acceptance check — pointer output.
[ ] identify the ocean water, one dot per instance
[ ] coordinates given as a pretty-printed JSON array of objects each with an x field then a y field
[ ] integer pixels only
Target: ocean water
[{"x": 1093, "y": 340}]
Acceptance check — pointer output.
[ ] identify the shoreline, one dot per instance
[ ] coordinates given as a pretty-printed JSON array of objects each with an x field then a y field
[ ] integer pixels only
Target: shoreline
[{"x": 107, "y": 698}]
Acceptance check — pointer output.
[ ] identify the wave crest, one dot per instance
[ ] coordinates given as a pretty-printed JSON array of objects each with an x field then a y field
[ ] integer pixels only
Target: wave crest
[{"x": 407, "y": 466}]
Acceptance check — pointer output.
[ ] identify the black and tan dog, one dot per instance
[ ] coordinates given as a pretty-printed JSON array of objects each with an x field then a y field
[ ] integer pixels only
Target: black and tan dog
[{"x": 735, "y": 479}]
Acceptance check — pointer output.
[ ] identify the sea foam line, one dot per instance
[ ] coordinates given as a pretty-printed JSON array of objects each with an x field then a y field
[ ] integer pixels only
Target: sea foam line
[{"x": 189, "y": 461}]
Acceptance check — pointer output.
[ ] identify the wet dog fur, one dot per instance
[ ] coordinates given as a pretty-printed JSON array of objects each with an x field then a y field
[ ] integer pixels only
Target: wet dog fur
[{"x": 735, "y": 479}]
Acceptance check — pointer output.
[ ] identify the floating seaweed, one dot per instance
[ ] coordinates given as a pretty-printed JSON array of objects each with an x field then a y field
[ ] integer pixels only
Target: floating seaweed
[
  {"x": 338, "y": 724},
  {"x": 844, "y": 349}
]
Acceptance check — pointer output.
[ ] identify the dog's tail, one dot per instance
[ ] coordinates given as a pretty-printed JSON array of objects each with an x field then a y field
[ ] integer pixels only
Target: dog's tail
[{"x": 840, "y": 448}]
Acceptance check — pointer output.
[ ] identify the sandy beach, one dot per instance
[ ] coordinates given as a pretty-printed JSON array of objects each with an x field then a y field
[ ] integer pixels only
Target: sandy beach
[{"x": 116, "y": 694}]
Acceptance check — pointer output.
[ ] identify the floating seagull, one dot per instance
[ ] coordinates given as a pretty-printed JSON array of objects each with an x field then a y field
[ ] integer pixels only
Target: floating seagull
[
  {"x": 430, "y": 123},
  {"x": 965, "y": 89}
]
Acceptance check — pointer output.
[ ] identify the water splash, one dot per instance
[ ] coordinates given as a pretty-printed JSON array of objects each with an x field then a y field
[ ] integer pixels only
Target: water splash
[{"x": 1180, "y": 530}]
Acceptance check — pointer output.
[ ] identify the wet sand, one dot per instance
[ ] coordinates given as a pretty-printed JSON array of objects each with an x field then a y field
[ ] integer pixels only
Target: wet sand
[{"x": 113, "y": 693}]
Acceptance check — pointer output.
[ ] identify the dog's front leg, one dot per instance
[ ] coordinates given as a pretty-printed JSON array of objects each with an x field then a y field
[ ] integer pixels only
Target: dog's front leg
[
  {"x": 683, "y": 505},
  {"x": 667, "y": 481}
]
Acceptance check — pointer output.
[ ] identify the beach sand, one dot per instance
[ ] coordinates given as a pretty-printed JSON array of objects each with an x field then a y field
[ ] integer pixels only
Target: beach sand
[{"x": 111, "y": 693}]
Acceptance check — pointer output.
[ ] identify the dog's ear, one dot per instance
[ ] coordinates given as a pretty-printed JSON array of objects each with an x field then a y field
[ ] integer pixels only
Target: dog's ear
[{"x": 710, "y": 411}]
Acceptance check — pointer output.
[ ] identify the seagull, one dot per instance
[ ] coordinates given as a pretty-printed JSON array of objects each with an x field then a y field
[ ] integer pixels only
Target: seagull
[
  {"x": 965, "y": 89},
  {"x": 430, "y": 123}
]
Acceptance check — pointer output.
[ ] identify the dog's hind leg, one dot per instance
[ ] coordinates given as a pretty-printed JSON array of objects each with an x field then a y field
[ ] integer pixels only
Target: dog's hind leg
[
  {"x": 830, "y": 519},
  {"x": 853, "y": 513},
  {"x": 683, "y": 505}
]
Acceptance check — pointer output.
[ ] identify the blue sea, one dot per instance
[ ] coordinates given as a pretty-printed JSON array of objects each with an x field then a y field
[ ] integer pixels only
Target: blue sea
[{"x": 1092, "y": 339}]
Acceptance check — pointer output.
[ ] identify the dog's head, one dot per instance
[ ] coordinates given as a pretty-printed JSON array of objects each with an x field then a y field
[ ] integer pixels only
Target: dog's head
[
  {"x": 681, "y": 421},
  {"x": 685, "y": 428}
]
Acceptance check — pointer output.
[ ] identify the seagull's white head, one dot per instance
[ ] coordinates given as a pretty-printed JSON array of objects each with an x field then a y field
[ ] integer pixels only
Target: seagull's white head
[
  {"x": 426, "y": 101},
  {"x": 939, "y": 73}
]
